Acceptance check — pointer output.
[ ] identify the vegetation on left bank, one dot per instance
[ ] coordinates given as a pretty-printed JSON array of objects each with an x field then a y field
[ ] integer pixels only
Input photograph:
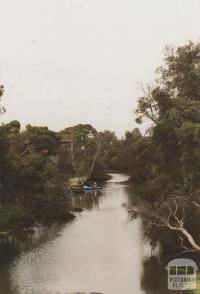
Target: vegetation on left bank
[{"x": 36, "y": 165}]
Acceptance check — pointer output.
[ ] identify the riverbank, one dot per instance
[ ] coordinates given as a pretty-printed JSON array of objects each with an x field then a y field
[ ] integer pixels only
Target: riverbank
[{"x": 98, "y": 251}]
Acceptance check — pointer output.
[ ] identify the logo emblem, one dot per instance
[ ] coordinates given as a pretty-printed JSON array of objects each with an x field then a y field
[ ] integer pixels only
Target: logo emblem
[{"x": 182, "y": 274}]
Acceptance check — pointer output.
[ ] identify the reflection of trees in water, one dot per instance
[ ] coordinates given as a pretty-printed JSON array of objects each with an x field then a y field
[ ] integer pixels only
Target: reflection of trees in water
[
  {"x": 87, "y": 200},
  {"x": 133, "y": 199},
  {"x": 154, "y": 278},
  {"x": 154, "y": 274},
  {"x": 12, "y": 246},
  {"x": 5, "y": 282}
]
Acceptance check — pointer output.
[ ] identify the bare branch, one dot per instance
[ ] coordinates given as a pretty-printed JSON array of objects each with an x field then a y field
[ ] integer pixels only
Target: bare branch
[{"x": 174, "y": 221}]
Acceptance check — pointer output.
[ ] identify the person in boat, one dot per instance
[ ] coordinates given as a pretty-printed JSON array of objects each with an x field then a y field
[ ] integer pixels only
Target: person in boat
[{"x": 94, "y": 185}]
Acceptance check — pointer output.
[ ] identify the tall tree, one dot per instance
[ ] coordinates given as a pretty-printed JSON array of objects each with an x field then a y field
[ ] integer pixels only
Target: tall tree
[
  {"x": 2, "y": 108},
  {"x": 173, "y": 107}
]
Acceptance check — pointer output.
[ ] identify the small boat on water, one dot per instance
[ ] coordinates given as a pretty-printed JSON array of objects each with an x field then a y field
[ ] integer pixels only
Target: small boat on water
[{"x": 87, "y": 188}]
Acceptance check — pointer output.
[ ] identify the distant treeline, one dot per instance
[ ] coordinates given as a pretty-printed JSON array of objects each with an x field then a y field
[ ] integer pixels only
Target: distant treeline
[{"x": 36, "y": 166}]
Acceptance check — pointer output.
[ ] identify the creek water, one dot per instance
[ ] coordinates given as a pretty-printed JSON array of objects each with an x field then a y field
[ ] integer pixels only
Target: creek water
[{"x": 101, "y": 250}]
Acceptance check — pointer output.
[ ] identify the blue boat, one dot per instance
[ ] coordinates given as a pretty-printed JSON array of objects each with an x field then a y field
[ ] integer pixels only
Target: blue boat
[{"x": 86, "y": 188}]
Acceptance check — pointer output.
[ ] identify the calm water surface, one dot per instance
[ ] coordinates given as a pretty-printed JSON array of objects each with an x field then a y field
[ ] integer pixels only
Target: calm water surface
[{"x": 100, "y": 250}]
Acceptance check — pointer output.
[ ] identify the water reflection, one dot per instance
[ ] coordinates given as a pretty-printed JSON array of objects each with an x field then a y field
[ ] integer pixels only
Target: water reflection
[
  {"x": 101, "y": 250},
  {"x": 154, "y": 276},
  {"x": 86, "y": 200},
  {"x": 13, "y": 247}
]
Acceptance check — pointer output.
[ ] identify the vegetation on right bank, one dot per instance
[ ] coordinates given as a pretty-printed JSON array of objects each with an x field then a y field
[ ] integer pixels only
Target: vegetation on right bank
[{"x": 165, "y": 163}]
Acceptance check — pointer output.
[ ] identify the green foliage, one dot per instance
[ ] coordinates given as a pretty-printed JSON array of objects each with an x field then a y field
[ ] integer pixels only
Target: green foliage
[
  {"x": 29, "y": 187},
  {"x": 167, "y": 160},
  {"x": 100, "y": 171},
  {"x": 64, "y": 160},
  {"x": 173, "y": 106},
  {"x": 84, "y": 141},
  {"x": 41, "y": 138},
  {"x": 35, "y": 166}
]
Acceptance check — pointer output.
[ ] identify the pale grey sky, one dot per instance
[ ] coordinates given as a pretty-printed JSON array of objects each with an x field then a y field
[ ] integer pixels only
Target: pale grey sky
[{"x": 64, "y": 62}]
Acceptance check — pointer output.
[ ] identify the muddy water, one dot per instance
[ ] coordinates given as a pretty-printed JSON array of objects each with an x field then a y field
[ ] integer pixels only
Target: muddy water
[{"x": 99, "y": 251}]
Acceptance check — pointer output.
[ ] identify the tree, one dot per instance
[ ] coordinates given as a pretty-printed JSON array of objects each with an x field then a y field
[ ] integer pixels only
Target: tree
[
  {"x": 179, "y": 81},
  {"x": 86, "y": 148},
  {"x": 173, "y": 107},
  {"x": 41, "y": 138},
  {"x": 2, "y": 108},
  {"x": 173, "y": 215}
]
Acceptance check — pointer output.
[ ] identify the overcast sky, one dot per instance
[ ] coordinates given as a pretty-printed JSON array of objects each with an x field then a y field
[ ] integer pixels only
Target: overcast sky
[{"x": 64, "y": 62}]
